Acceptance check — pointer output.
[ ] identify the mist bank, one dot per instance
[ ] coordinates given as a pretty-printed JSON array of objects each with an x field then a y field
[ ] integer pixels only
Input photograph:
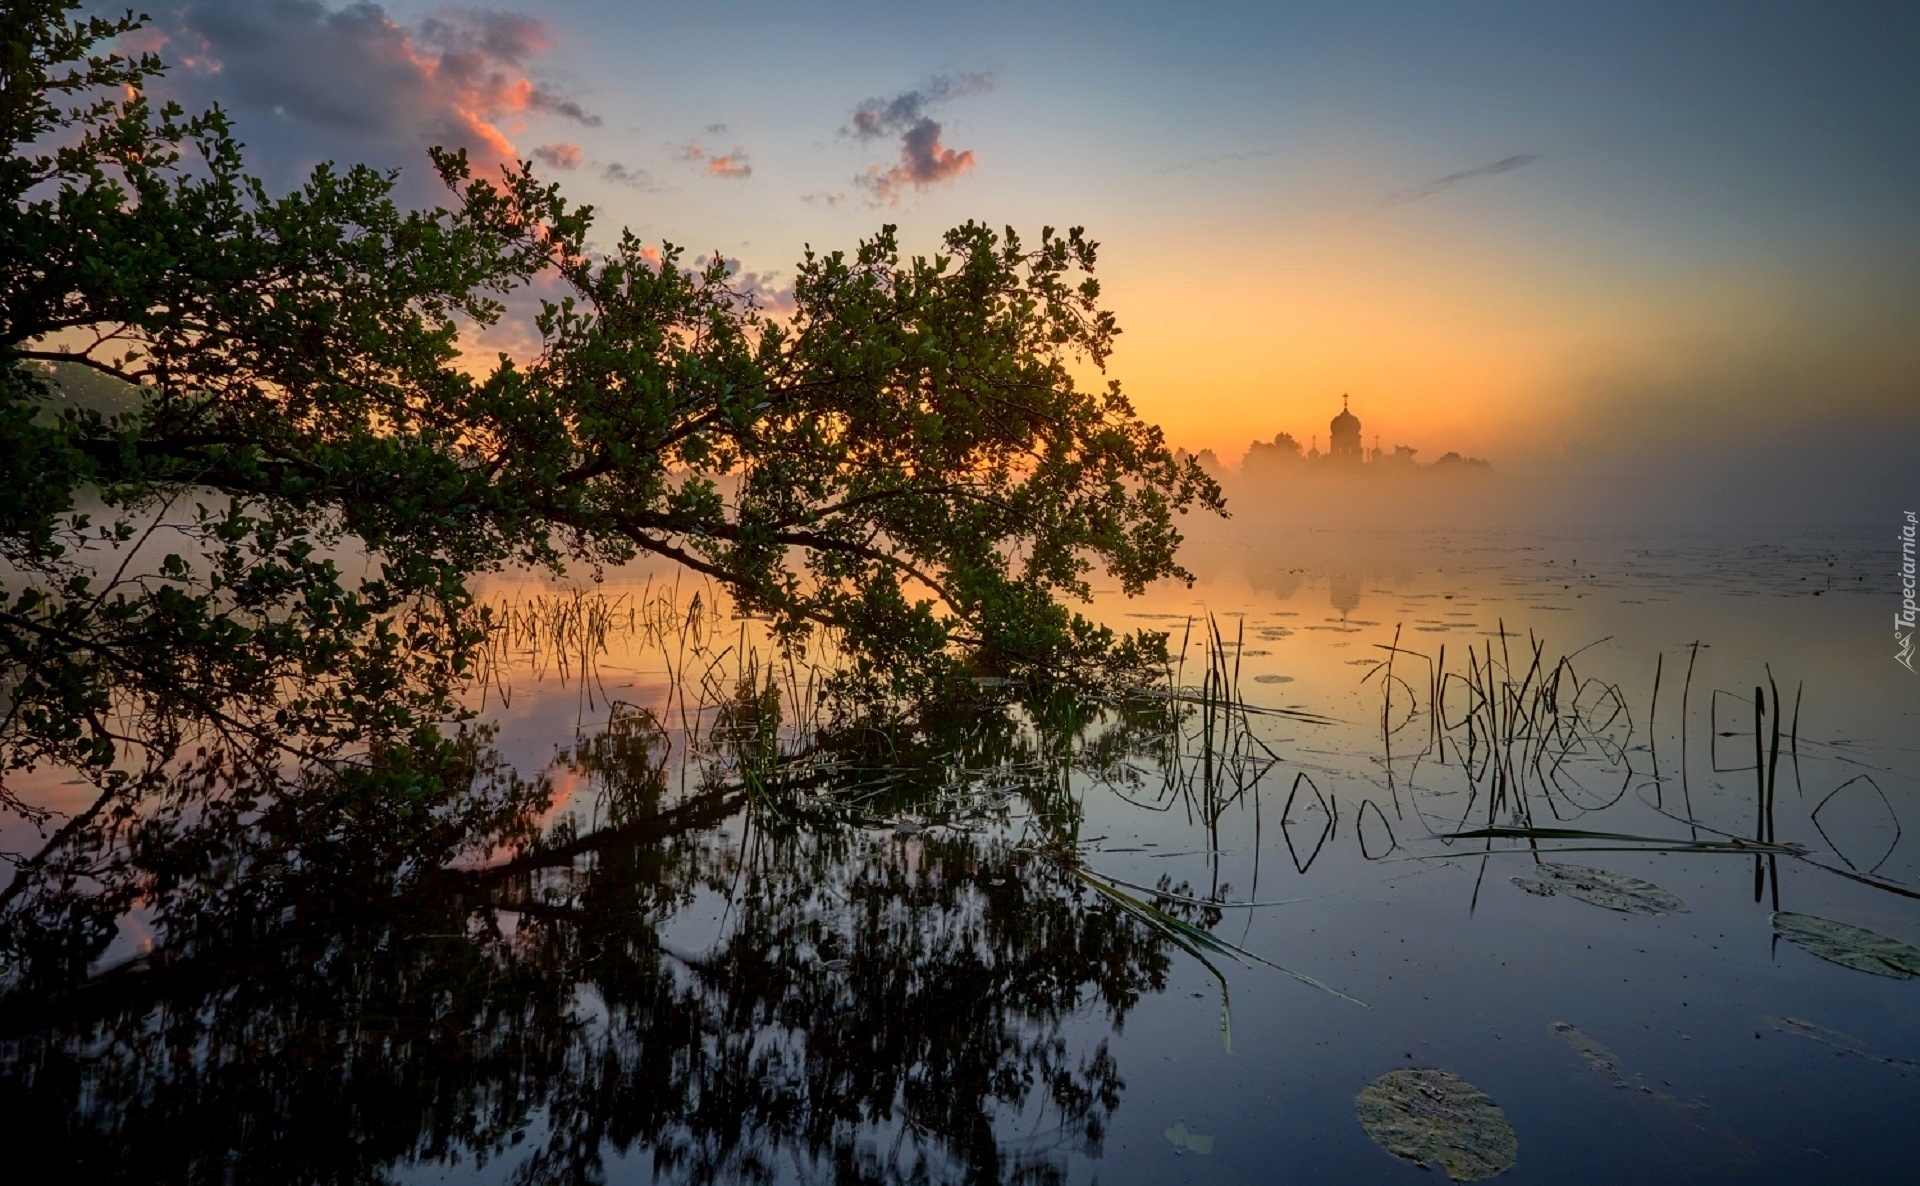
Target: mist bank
[{"x": 1850, "y": 478}]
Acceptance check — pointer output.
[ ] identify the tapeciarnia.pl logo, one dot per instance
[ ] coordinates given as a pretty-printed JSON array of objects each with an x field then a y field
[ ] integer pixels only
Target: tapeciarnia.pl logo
[{"x": 1903, "y": 622}]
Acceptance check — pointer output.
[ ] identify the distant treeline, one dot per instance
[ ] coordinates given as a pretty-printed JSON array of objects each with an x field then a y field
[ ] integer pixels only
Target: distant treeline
[{"x": 1284, "y": 456}]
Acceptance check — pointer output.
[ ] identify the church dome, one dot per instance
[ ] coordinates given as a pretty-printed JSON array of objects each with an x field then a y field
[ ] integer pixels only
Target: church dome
[
  {"x": 1345, "y": 442},
  {"x": 1346, "y": 422}
]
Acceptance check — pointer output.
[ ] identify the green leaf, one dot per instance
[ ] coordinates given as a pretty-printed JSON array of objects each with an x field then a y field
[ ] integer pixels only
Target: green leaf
[{"x": 1848, "y": 945}]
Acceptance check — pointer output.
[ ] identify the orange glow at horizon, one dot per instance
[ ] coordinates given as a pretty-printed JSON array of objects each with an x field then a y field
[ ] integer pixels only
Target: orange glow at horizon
[
  {"x": 1255, "y": 338},
  {"x": 1455, "y": 342}
]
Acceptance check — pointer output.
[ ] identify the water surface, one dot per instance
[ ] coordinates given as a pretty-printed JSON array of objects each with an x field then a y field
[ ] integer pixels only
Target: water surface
[{"x": 675, "y": 934}]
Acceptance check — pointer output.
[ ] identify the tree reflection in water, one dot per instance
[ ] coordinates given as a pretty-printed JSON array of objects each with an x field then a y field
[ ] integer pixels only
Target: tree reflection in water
[{"x": 362, "y": 971}]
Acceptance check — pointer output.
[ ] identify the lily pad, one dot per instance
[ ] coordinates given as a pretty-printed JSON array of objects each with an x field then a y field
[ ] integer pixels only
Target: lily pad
[
  {"x": 1615, "y": 891},
  {"x": 1188, "y": 1142},
  {"x": 1848, "y": 945},
  {"x": 1436, "y": 1118}
]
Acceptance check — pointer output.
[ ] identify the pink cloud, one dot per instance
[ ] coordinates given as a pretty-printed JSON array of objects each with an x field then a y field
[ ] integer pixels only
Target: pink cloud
[
  {"x": 309, "y": 81},
  {"x": 734, "y": 165},
  {"x": 924, "y": 162}
]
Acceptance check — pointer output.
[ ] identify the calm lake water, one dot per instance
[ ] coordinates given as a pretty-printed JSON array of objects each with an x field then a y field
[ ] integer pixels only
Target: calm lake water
[{"x": 909, "y": 955}]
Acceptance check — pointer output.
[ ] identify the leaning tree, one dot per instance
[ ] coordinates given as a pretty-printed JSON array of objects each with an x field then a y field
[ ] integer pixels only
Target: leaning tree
[{"x": 248, "y": 471}]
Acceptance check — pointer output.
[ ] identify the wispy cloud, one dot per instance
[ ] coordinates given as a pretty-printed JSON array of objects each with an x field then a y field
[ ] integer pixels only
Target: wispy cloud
[
  {"x": 1503, "y": 165},
  {"x": 621, "y": 174},
  {"x": 546, "y": 101},
  {"x": 924, "y": 159},
  {"x": 734, "y": 166},
  {"x": 884, "y": 117},
  {"x": 562, "y": 156},
  {"x": 506, "y": 37}
]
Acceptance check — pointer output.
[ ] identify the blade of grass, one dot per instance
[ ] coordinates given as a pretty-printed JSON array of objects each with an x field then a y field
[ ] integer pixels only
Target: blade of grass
[{"x": 1166, "y": 924}]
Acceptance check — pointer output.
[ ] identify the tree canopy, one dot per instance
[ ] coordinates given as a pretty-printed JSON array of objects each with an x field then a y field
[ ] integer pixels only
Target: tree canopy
[{"x": 279, "y": 382}]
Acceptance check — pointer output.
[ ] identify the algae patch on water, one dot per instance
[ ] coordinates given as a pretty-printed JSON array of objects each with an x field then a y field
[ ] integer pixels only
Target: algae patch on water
[
  {"x": 1188, "y": 1142},
  {"x": 1846, "y": 1044},
  {"x": 1601, "y": 1059},
  {"x": 1605, "y": 1062},
  {"x": 1436, "y": 1118}
]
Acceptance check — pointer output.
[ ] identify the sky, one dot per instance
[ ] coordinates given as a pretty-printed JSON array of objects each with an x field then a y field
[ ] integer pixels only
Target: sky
[{"x": 1526, "y": 232}]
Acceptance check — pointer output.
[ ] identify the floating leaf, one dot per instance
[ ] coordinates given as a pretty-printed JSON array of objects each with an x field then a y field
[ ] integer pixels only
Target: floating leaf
[
  {"x": 1848, "y": 945},
  {"x": 1435, "y": 1117},
  {"x": 1188, "y": 1142},
  {"x": 1615, "y": 891}
]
